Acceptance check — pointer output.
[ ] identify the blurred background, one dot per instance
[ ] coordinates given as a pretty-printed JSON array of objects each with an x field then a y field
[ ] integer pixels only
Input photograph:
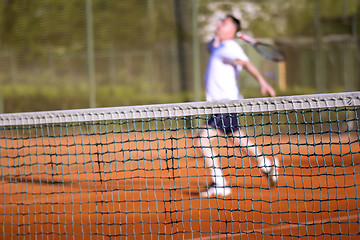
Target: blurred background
[{"x": 57, "y": 54}]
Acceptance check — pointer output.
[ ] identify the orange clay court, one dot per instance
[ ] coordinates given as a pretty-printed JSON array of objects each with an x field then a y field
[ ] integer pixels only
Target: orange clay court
[{"x": 94, "y": 187}]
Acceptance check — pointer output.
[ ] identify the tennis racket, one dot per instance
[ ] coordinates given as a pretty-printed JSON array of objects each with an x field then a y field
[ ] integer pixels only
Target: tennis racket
[{"x": 266, "y": 50}]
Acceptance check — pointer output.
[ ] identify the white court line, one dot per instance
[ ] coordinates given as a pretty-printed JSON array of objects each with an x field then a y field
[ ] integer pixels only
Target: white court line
[{"x": 282, "y": 227}]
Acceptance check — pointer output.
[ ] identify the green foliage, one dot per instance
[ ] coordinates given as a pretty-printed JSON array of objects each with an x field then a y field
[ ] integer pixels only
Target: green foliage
[
  {"x": 28, "y": 26},
  {"x": 29, "y": 98},
  {"x": 288, "y": 18},
  {"x": 337, "y": 8}
]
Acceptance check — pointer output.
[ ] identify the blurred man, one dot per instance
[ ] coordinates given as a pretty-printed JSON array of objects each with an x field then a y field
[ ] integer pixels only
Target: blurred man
[{"x": 226, "y": 60}]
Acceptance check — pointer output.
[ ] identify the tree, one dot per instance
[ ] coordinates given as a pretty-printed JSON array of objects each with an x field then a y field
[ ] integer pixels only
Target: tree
[{"x": 281, "y": 17}]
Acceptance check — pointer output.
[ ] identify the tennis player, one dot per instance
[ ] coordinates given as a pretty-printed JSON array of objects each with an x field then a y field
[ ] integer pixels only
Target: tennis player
[{"x": 226, "y": 60}]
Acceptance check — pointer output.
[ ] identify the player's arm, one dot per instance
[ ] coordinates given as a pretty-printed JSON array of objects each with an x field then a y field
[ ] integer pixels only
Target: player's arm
[
  {"x": 265, "y": 88},
  {"x": 215, "y": 42}
]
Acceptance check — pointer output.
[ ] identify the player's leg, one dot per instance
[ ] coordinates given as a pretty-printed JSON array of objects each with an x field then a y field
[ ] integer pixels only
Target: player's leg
[
  {"x": 267, "y": 166},
  {"x": 218, "y": 187},
  {"x": 210, "y": 154}
]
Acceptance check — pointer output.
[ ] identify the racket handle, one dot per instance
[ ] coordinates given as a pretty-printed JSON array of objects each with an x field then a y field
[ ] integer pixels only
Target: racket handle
[{"x": 246, "y": 38}]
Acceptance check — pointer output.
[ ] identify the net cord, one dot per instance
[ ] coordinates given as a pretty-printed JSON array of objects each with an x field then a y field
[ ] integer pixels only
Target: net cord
[{"x": 315, "y": 101}]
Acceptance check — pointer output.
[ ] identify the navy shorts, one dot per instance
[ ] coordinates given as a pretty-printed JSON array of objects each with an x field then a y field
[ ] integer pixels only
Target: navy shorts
[{"x": 226, "y": 122}]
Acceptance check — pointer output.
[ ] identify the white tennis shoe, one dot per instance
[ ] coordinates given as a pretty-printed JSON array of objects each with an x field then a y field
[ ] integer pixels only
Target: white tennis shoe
[
  {"x": 216, "y": 191},
  {"x": 272, "y": 175}
]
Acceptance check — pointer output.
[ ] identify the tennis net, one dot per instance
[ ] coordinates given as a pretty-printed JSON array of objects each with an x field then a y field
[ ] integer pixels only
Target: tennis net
[{"x": 137, "y": 172}]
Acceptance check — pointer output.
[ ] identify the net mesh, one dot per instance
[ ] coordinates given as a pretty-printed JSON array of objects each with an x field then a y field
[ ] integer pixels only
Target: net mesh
[{"x": 137, "y": 172}]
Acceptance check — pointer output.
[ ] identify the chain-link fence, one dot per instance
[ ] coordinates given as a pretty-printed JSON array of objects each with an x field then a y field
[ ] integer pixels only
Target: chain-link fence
[{"x": 140, "y": 52}]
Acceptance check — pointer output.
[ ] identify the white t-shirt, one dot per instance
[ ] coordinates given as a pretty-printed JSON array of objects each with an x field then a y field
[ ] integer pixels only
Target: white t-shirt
[{"x": 222, "y": 72}]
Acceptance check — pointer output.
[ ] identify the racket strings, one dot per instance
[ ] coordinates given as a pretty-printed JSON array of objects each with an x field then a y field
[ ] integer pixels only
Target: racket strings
[{"x": 270, "y": 52}]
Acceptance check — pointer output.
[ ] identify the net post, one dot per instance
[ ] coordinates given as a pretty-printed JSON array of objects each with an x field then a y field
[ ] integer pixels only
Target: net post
[{"x": 90, "y": 53}]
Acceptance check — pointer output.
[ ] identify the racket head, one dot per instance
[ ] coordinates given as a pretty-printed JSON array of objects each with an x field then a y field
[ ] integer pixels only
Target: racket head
[{"x": 270, "y": 52}]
